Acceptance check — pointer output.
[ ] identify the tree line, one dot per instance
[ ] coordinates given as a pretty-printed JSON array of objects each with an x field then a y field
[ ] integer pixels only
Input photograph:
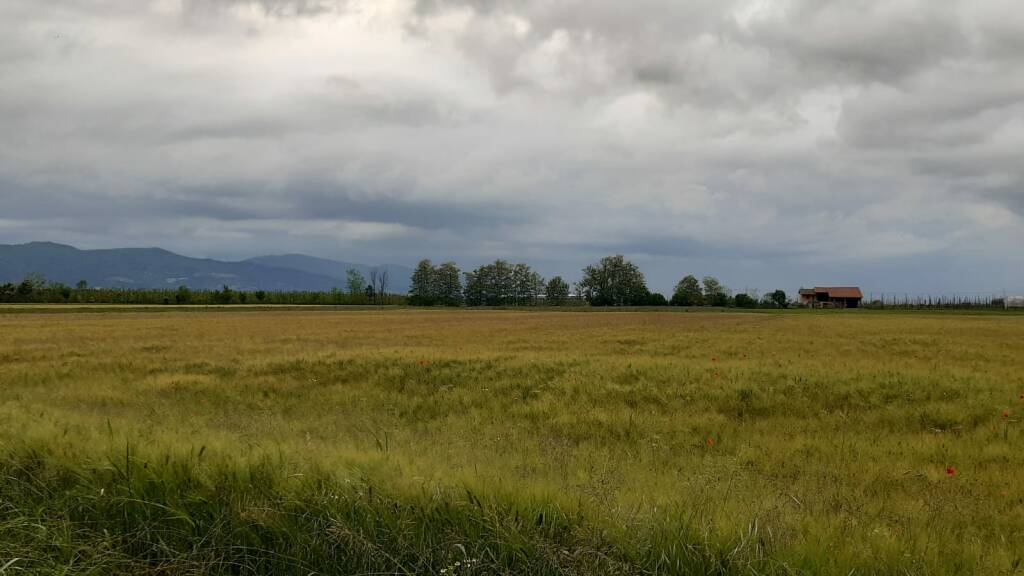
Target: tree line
[
  {"x": 613, "y": 281},
  {"x": 35, "y": 289},
  {"x": 497, "y": 284}
]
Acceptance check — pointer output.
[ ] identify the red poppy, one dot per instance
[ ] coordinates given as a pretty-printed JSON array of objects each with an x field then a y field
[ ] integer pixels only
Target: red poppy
[
  {"x": 424, "y": 362},
  {"x": 950, "y": 470},
  {"x": 1006, "y": 413},
  {"x": 710, "y": 441}
]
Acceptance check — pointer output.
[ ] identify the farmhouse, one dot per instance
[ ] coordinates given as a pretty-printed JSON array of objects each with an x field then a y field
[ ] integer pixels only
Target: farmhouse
[{"x": 831, "y": 296}]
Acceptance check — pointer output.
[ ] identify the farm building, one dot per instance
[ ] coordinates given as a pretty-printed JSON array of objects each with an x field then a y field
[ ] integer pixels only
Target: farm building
[
  {"x": 1014, "y": 302},
  {"x": 831, "y": 296}
]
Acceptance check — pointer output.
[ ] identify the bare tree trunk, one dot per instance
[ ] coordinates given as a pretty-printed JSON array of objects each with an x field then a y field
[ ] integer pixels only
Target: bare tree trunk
[
  {"x": 385, "y": 284},
  {"x": 373, "y": 282}
]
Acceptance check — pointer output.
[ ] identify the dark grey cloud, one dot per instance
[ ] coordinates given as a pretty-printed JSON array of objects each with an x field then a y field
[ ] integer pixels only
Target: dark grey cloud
[
  {"x": 775, "y": 139},
  {"x": 859, "y": 41}
]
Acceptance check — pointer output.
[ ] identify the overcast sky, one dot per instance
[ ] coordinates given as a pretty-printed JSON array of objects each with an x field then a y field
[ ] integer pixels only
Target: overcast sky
[{"x": 770, "y": 143}]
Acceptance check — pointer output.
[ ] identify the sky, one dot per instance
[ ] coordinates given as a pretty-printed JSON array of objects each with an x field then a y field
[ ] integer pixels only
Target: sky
[{"x": 770, "y": 143}]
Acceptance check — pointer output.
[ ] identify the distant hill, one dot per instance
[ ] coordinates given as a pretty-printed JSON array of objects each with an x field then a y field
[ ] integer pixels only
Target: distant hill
[
  {"x": 158, "y": 268},
  {"x": 398, "y": 276}
]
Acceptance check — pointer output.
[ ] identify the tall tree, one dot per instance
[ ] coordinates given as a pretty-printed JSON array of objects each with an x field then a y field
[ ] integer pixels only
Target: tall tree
[
  {"x": 715, "y": 294},
  {"x": 556, "y": 293},
  {"x": 448, "y": 284},
  {"x": 526, "y": 286},
  {"x": 614, "y": 281},
  {"x": 688, "y": 292},
  {"x": 503, "y": 284},
  {"x": 355, "y": 282},
  {"x": 423, "y": 286},
  {"x": 501, "y": 288},
  {"x": 779, "y": 299},
  {"x": 474, "y": 293}
]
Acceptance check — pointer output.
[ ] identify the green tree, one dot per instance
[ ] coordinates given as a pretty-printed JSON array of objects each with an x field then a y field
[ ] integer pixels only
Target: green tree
[
  {"x": 355, "y": 282},
  {"x": 7, "y": 292},
  {"x": 556, "y": 293},
  {"x": 715, "y": 294},
  {"x": 745, "y": 301},
  {"x": 448, "y": 284},
  {"x": 657, "y": 299},
  {"x": 527, "y": 285},
  {"x": 30, "y": 287},
  {"x": 423, "y": 285},
  {"x": 225, "y": 295},
  {"x": 473, "y": 293},
  {"x": 500, "y": 286},
  {"x": 183, "y": 295},
  {"x": 688, "y": 292},
  {"x": 614, "y": 281},
  {"x": 82, "y": 285},
  {"x": 779, "y": 299}
]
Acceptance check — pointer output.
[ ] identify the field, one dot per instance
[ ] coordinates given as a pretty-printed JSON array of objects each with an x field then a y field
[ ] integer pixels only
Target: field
[{"x": 503, "y": 442}]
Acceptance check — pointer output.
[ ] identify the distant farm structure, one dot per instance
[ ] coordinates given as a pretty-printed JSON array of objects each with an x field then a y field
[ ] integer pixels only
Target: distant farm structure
[
  {"x": 831, "y": 297},
  {"x": 853, "y": 297}
]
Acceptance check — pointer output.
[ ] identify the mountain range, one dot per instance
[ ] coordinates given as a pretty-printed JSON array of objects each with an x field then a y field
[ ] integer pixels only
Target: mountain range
[{"x": 158, "y": 268}]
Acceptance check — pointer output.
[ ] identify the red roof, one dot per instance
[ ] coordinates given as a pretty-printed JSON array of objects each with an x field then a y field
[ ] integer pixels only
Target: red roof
[{"x": 840, "y": 291}]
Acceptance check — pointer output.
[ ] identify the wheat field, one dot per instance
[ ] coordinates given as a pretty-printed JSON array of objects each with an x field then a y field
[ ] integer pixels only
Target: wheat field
[{"x": 193, "y": 441}]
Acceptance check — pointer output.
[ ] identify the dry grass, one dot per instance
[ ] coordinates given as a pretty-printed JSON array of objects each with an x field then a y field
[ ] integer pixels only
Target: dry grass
[{"x": 661, "y": 442}]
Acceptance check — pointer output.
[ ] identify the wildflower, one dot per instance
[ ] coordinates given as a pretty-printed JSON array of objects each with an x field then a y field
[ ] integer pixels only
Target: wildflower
[
  {"x": 714, "y": 358},
  {"x": 710, "y": 441},
  {"x": 950, "y": 470},
  {"x": 1006, "y": 413}
]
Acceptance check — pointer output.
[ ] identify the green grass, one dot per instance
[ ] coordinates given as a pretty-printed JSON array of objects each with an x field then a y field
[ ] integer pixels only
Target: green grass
[{"x": 404, "y": 441}]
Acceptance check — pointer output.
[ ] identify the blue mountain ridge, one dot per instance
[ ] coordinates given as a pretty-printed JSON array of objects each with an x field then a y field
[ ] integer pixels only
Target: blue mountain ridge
[{"x": 159, "y": 268}]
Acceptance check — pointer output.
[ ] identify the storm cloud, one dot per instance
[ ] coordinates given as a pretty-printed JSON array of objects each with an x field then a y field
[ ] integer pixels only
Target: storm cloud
[{"x": 771, "y": 143}]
